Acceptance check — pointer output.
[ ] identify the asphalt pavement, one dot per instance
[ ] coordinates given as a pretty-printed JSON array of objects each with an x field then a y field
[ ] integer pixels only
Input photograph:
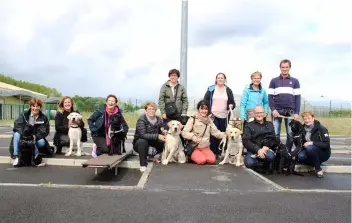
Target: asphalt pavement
[
  {"x": 173, "y": 193},
  {"x": 46, "y": 205}
]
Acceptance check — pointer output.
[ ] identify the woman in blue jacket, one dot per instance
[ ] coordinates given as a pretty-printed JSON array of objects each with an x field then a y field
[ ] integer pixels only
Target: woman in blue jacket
[{"x": 252, "y": 96}]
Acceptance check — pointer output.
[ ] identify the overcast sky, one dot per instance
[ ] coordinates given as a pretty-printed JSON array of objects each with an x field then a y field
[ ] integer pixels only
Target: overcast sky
[{"x": 93, "y": 48}]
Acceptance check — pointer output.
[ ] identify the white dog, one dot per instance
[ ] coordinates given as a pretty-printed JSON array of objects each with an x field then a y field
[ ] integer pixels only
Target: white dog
[
  {"x": 173, "y": 151},
  {"x": 74, "y": 133},
  {"x": 233, "y": 153}
]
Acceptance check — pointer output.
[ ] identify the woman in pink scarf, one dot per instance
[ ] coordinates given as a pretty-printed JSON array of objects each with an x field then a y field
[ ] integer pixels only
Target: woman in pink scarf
[{"x": 99, "y": 123}]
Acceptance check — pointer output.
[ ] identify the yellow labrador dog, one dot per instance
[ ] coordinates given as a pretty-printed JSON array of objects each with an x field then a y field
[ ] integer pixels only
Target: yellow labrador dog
[
  {"x": 232, "y": 147},
  {"x": 173, "y": 150},
  {"x": 74, "y": 133}
]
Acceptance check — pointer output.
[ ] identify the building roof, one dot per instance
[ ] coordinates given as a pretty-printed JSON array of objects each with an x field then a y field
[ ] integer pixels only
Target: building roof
[{"x": 7, "y": 90}]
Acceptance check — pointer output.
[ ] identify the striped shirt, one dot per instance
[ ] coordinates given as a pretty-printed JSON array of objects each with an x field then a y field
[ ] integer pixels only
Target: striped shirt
[{"x": 284, "y": 93}]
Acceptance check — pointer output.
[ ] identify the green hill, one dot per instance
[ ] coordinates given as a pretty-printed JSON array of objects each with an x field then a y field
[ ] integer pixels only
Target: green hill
[{"x": 52, "y": 92}]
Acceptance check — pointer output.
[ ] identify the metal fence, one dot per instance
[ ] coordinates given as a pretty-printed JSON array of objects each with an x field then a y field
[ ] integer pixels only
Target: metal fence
[{"x": 331, "y": 109}]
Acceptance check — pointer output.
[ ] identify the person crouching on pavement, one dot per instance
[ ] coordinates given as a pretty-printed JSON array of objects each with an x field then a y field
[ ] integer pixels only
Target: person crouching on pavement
[
  {"x": 99, "y": 123},
  {"x": 36, "y": 118},
  {"x": 254, "y": 133},
  {"x": 148, "y": 133},
  {"x": 198, "y": 130},
  {"x": 316, "y": 143}
]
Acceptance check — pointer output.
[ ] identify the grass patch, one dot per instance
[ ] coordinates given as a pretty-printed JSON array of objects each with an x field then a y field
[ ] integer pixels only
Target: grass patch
[{"x": 335, "y": 125}]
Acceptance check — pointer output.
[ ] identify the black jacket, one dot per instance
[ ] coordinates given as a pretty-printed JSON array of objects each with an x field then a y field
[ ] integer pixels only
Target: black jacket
[
  {"x": 96, "y": 122},
  {"x": 209, "y": 97},
  {"x": 61, "y": 127},
  {"x": 319, "y": 136},
  {"x": 41, "y": 130},
  {"x": 146, "y": 130},
  {"x": 254, "y": 133}
]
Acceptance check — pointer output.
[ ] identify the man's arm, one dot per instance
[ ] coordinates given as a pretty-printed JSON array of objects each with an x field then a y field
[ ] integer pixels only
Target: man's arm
[{"x": 297, "y": 93}]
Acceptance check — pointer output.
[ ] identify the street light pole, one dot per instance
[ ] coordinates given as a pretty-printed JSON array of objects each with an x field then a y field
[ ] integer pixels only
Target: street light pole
[{"x": 184, "y": 43}]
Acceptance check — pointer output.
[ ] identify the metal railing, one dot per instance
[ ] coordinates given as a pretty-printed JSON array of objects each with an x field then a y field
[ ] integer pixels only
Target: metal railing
[{"x": 12, "y": 111}]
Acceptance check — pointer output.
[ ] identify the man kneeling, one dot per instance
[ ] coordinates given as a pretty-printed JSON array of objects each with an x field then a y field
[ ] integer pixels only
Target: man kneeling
[{"x": 254, "y": 133}]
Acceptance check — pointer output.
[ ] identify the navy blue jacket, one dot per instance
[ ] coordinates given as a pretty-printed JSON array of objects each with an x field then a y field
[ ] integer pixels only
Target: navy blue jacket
[
  {"x": 284, "y": 94},
  {"x": 96, "y": 122}
]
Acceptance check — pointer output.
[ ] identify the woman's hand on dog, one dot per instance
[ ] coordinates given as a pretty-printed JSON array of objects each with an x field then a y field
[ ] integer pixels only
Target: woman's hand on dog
[
  {"x": 162, "y": 138},
  {"x": 306, "y": 144}
]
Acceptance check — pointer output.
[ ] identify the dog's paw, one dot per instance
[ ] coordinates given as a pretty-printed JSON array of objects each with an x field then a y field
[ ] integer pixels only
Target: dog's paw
[
  {"x": 238, "y": 164},
  {"x": 222, "y": 163},
  {"x": 164, "y": 162},
  {"x": 68, "y": 154},
  {"x": 182, "y": 161},
  {"x": 79, "y": 154}
]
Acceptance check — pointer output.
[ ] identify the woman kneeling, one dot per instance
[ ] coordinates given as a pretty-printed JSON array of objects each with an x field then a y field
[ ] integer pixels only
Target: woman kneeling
[
  {"x": 148, "y": 134},
  {"x": 198, "y": 129},
  {"x": 316, "y": 143}
]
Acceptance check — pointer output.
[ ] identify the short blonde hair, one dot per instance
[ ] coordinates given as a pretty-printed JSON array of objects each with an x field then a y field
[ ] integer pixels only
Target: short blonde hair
[
  {"x": 150, "y": 104},
  {"x": 307, "y": 113},
  {"x": 257, "y": 73},
  {"x": 61, "y": 104}
]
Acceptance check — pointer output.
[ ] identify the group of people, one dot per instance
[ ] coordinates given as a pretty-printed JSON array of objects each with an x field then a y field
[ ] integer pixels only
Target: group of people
[{"x": 207, "y": 127}]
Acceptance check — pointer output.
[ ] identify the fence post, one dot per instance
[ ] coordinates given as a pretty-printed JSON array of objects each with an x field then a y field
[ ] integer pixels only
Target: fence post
[
  {"x": 304, "y": 105},
  {"x": 330, "y": 110}
]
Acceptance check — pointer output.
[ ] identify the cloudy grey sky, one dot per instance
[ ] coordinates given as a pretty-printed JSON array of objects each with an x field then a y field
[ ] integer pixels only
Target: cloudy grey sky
[{"x": 93, "y": 48}]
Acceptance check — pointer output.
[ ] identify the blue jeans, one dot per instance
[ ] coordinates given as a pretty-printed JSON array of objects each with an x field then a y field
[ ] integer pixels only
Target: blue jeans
[
  {"x": 313, "y": 155},
  {"x": 277, "y": 126},
  {"x": 250, "y": 162},
  {"x": 16, "y": 144}
]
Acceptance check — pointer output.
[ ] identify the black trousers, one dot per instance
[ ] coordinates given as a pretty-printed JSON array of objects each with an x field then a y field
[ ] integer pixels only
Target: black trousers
[
  {"x": 101, "y": 145},
  {"x": 221, "y": 124},
  {"x": 141, "y": 146}
]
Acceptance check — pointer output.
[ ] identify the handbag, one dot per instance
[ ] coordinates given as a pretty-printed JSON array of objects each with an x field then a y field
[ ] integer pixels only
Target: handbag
[
  {"x": 170, "y": 107},
  {"x": 189, "y": 146}
]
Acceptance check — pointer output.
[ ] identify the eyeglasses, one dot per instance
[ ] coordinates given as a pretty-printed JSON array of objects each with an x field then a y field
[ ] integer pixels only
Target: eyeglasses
[{"x": 258, "y": 113}]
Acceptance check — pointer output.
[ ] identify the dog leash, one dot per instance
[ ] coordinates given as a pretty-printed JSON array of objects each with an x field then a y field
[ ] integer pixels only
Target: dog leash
[{"x": 280, "y": 116}]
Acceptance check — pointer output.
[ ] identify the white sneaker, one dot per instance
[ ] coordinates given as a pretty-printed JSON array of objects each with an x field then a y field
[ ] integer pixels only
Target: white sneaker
[
  {"x": 15, "y": 163},
  {"x": 94, "y": 150},
  {"x": 142, "y": 168}
]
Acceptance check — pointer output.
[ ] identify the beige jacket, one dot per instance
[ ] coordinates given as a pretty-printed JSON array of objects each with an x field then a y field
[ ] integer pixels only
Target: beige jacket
[{"x": 194, "y": 132}]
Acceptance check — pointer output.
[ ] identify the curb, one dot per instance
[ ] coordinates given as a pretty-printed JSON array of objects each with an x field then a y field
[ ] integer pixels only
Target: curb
[
  {"x": 71, "y": 162},
  {"x": 326, "y": 169},
  {"x": 49, "y": 185},
  {"x": 134, "y": 164}
]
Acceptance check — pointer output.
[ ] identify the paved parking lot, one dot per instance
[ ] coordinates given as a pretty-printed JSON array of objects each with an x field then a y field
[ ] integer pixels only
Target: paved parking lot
[{"x": 173, "y": 193}]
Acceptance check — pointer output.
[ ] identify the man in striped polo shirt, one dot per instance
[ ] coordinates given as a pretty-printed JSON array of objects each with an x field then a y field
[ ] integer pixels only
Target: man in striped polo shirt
[{"x": 285, "y": 100}]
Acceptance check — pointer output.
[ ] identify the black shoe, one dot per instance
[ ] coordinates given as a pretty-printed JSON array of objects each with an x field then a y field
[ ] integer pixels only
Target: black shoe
[{"x": 58, "y": 150}]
